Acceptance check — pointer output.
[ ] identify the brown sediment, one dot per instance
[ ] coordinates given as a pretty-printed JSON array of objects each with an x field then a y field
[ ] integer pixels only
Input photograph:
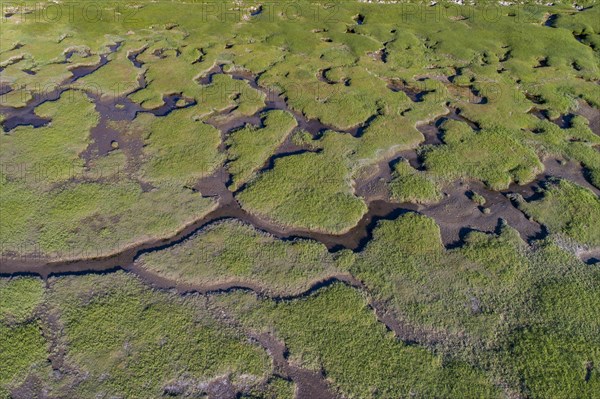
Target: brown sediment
[
  {"x": 112, "y": 110},
  {"x": 309, "y": 384},
  {"x": 221, "y": 388},
  {"x": 568, "y": 170},
  {"x": 591, "y": 114},
  {"x": 414, "y": 94},
  {"x": 433, "y": 133},
  {"x": 456, "y": 214},
  {"x": 31, "y": 387},
  {"x": 371, "y": 184},
  {"x": 274, "y": 100}
]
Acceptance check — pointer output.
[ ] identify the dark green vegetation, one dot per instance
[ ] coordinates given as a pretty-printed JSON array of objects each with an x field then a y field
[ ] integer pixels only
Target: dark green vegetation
[
  {"x": 110, "y": 335},
  {"x": 335, "y": 332},
  {"x": 568, "y": 209},
  {"x": 22, "y": 347},
  {"x": 310, "y": 120}
]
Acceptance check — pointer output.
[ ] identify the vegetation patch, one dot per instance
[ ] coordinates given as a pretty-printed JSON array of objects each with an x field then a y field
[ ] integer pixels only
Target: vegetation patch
[
  {"x": 308, "y": 190},
  {"x": 334, "y": 331},
  {"x": 495, "y": 157},
  {"x": 250, "y": 147},
  {"x": 233, "y": 252},
  {"x": 410, "y": 185},
  {"x": 569, "y": 209},
  {"x": 136, "y": 342},
  {"x": 23, "y": 348}
]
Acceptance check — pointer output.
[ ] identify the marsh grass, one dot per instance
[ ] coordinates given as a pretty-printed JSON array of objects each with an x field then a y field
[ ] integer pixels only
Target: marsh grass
[{"x": 231, "y": 251}]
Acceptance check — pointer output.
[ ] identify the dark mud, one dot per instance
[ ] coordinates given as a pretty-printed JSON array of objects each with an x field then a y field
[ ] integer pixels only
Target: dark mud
[
  {"x": 105, "y": 138},
  {"x": 116, "y": 109},
  {"x": 414, "y": 94},
  {"x": 26, "y": 115},
  {"x": 457, "y": 215},
  {"x": 274, "y": 101},
  {"x": 371, "y": 184},
  {"x": 32, "y": 387},
  {"x": 309, "y": 384},
  {"x": 24, "y": 119},
  {"x": 591, "y": 114},
  {"x": 568, "y": 170}
]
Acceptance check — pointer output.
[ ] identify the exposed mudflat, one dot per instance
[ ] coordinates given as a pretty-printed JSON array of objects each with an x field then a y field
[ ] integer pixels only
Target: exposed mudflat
[
  {"x": 591, "y": 114},
  {"x": 590, "y": 257},
  {"x": 309, "y": 384},
  {"x": 457, "y": 214}
]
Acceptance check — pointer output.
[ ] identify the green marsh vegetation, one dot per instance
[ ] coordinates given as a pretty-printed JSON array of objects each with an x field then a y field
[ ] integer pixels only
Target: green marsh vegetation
[
  {"x": 491, "y": 156},
  {"x": 22, "y": 347},
  {"x": 334, "y": 331},
  {"x": 327, "y": 67},
  {"x": 250, "y": 147},
  {"x": 502, "y": 316},
  {"x": 179, "y": 148},
  {"x": 135, "y": 341},
  {"x": 488, "y": 303},
  {"x": 410, "y": 185},
  {"x": 568, "y": 209},
  {"x": 111, "y": 335},
  {"x": 233, "y": 252},
  {"x": 311, "y": 190}
]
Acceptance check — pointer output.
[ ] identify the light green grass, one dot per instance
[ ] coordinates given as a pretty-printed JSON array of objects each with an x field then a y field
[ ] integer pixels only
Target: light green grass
[
  {"x": 410, "y": 185},
  {"x": 180, "y": 148},
  {"x": 20, "y": 297},
  {"x": 22, "y": 347},
  {"x": 50, "y": 154},
  {"x": 134, "y": 341},
  {"x": 333, "y": 330},
  {"x": 309, "y": 190},
  {"x": 495, "y": 157},
  {"x": 568, "y": 209},
  {"x": 231, "y": 251},
  {"x": 250, "y": 147},
  {"x": 80, "y": 220}
]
